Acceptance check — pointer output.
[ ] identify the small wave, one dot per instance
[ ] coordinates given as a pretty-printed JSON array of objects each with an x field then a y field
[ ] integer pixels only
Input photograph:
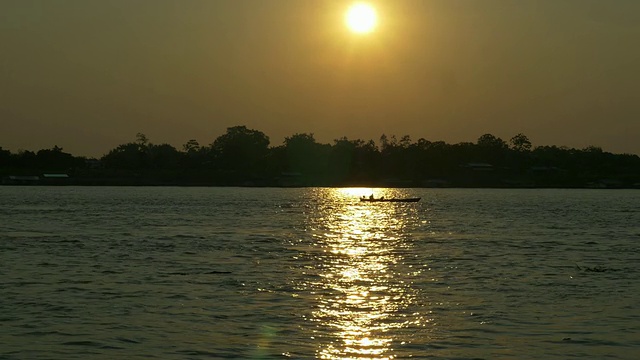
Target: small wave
[
  {"x": 597, "y": 268},
  {"x": 184, "y": 273},
  {"x": 200, "y": 353},
  {"x": 40, "y": 333},
  {"x": 84, "y": 343},
  {"x": 27, "y": 234},
  {"x": 126, "y": 340}
]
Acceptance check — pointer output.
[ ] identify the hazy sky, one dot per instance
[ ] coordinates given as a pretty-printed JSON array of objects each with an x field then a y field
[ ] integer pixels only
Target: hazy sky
[{"x": 87, "y": 75}]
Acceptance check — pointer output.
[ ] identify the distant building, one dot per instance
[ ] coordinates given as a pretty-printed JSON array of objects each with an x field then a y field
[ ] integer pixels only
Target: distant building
[
  {"x": 478, "y": 166},
  {"x": 55, "y": 176},
  {"x": 55, "y": 179},
  {"x": 21, "y": 180}
]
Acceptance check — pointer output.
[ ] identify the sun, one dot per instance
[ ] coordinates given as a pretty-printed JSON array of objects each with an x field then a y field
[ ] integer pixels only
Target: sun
[{"x": 361, "y": 18}]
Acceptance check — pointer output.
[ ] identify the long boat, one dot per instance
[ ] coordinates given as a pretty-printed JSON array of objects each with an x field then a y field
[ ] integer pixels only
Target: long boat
[{"x": 390, "y": 199}]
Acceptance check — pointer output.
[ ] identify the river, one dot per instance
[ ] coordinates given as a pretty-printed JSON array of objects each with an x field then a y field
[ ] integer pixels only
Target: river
[{"x": 263, "y": 273}]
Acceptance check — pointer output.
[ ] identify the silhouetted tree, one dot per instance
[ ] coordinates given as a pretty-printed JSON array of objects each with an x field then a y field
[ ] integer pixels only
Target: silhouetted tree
[
  {"x": 366, "y": 161},
  {"x": 26, "y": 159},
  {"x": 394, "y": 158},
  {"x": 301, "y": 151},
  {"x": 5, "y": 157},
  {"x": 492, "y": 149},
  {"x": 243, "y": 155},
  {"x": 55, "y": 159},
  {"x": 306, "y": 156},
  {"x": 241, "y": 152},
  {"x": 341, "y": 161},
  {"x": 163, "y": 156},
  {"x": 195, "y": 156},
  {"x": 490, "y": 141},
  {"x": 433, "y": 158},
  {"x": 520, "y": 142},
  {"x": 191, "y": 146},
  {"x": 405, "y": 141},
  {"x": 387, "y": 142},
  {"x": 142, "y": 139},
  {"x": 129, "y": 156}
]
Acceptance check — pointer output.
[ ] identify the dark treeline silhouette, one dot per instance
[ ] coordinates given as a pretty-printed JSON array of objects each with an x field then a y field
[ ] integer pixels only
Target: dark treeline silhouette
[{"x": 243, "y": 157}]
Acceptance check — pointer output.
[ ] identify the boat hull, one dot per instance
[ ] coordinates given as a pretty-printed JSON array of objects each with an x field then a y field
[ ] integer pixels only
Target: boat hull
[{"x": 391, "y": 200}]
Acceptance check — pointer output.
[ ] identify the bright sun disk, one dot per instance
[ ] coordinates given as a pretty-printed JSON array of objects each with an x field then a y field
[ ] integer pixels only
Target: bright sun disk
[{"x": 361, "y": 18}]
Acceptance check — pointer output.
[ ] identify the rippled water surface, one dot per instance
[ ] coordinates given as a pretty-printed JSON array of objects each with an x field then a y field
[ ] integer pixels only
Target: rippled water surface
[{"x": 200, "y": 273}]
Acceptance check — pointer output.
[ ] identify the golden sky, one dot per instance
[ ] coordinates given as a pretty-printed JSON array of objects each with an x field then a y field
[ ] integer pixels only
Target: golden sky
[{"x": 88, "y": 75}]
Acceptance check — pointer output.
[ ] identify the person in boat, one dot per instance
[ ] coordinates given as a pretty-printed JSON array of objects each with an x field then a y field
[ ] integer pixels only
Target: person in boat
[{"x": 371, "y": 197}]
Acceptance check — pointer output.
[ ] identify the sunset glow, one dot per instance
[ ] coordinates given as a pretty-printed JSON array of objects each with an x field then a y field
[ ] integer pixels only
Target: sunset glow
[
  {"x": 361, "y": 18},
  {"x": 561, "y": 72}
]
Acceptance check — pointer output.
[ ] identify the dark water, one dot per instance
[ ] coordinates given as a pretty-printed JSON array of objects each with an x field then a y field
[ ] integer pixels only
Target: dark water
[{"x": 200, "y": 273}]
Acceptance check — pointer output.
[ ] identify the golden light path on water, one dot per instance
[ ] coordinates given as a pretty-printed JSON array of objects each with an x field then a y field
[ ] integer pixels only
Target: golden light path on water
[{"x": 363, "y": 294}]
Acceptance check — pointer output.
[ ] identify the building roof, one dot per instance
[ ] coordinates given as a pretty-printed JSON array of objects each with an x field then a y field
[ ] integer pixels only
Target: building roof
[{"x": 22, "y": 177}]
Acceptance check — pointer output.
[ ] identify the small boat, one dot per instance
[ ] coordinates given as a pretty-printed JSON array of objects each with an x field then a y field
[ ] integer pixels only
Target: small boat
[{"x": 391, "y": 199}]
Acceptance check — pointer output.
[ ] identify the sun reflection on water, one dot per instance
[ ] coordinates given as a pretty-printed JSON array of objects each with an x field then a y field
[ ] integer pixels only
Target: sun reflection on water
[{"x": 361, "y": 296}]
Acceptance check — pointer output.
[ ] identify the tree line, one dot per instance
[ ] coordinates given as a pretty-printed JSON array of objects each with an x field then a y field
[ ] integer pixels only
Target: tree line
[{"x": 244, "y": 157}]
